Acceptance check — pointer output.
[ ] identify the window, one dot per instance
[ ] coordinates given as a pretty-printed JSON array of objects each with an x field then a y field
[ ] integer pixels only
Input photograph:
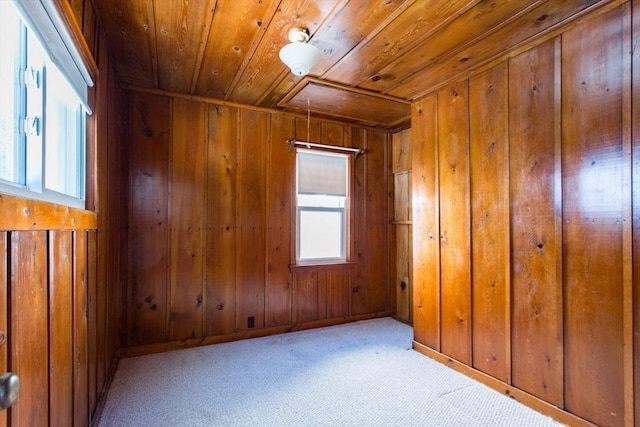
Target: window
[
  {"x": 44, "y": 107},
  {"x": 322, "y": 205}
]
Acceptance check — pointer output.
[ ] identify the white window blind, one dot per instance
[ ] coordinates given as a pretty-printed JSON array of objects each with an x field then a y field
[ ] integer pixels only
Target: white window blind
[{"x": 322, "y": 174}]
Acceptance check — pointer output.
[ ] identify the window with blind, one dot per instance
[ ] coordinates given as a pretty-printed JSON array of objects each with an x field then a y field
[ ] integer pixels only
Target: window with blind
[
  {"x": 322, "y": 201},
  {"x": 44, "y": 92}
]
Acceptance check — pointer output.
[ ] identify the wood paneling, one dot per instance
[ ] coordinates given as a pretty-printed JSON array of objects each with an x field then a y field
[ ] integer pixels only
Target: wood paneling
[
  {"x": 251, "y": 217},
  {"x": 28, "y": 338},
  {"x": 80, "y": 349},
  {"x": 592, "y": 203},
  {"x": 61, "y": 330},
  {"x": 489, "y": 160},
  {"x": 230, "y": 205},
  {"x": 635, "y": 133},
  {"x": 4, "y": 312},
  {"x": 148, "y": 219},
  {"x": 220, "y": 265},
  {"x": 278, "y": 238},
  {"x": 426, "y": 230},
  {"x": 547, "y": 242},
  {"x": 536, "y": 243},
  {"x": 455, "y": 221},
  {"x": 187, "y": 183}
]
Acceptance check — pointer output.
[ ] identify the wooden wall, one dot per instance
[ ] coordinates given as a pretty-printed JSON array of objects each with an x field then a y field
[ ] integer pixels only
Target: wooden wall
[
  {"x": 60, "y": 278},
  {"x": 525, "y": 257},
  {"x": 401, "y": 232},
  {"x": 211, "y": 232}
]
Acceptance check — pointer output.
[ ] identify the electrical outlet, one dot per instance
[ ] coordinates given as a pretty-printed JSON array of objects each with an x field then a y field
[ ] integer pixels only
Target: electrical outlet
[{"x": 251, "y": 322}]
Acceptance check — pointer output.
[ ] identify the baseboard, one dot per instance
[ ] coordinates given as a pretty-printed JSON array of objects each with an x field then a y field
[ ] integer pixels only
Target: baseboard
[
  {"x": 523, "y": 397},
  {"x": 236, "y": 336},
  {"x": 102, "y": 397}
]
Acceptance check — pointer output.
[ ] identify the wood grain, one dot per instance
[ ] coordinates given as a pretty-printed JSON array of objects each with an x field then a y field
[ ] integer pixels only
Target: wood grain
[
  {"x": 177, "y": 28},
  {"x": 148, "y": 217},
  {"x": 455, "y": 222},
  {"x": 28, "y": 335},
  {"x": 360, "y": 255},
  {"x": 537, "y": 332},
  {"x": 489, "y": 174},
  {"x": 426, "y": 223},
  {"x": 4, "y": 310},
  {"x": 221, "y": 240},
  {"x": 80, "y": 348},
  {"x": 377, "y": 221},
  {"x": 186, "y": 218},
  {"x": 635, "y": 207},
  {"x": 251, "y": 217},
  {"x": 592, "y": 212},
  {"x": 61, "y": 330},
  {"x": 280, "y": 187}
]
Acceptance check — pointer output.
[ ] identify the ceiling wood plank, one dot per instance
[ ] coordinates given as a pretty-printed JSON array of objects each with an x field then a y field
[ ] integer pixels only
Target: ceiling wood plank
[
  {"x": 129, "y": 29},
  {"x": 179, "y": 33},
  {"x": 347, "y": 102},
  {"x": 542, "y": 19},
  {"x": 475, "y": 24},
  {"x": 415, "y": 22},
  {"x": 202, "y": 46},
  {"x": 235, "y": 34}
]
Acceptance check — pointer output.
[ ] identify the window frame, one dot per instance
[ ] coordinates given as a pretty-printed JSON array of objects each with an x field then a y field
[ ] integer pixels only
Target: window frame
[
  {"x": 347, "y": 220},
  {"x": 32, "y": 102}
]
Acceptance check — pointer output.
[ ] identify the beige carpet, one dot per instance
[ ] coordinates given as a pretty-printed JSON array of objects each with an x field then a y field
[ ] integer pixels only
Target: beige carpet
[{"x": 359, "y": 374}]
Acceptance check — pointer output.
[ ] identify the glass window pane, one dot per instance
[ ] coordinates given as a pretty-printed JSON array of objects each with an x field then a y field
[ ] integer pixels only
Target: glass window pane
[
  {"x": 63, "y": 136},
  {"x": 11, "y": 141},
  {"x": 321, "y": 234}
]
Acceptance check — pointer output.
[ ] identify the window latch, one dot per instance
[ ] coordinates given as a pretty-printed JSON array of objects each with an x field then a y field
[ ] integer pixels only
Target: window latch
[
  {"x": 31, "y": 78},
  {"x": 31, "y": 126}
]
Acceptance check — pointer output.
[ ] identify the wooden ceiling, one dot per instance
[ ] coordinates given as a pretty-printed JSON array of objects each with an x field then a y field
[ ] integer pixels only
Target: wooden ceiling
[{"x": 376, "y": 53}]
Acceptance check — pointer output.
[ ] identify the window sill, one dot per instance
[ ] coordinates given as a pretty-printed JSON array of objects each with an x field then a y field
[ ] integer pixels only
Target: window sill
[{"x": 319, "y": 266}]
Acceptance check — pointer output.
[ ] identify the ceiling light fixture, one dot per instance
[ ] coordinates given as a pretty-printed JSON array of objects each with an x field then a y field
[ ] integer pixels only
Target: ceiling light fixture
[{"x": 298, "y": 55}]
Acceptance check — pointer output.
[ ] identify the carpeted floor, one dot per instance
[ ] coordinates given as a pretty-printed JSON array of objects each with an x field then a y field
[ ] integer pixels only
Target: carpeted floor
[{"x": 359, "y": 374}]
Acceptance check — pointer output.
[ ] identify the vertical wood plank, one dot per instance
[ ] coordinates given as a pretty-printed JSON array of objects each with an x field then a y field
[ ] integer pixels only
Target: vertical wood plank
[
  {"x": 251, "y": 215},
  {"x": 627, "y": 226},
  {"x": 593, "y": 218},
  {"x": 536, "y": 286},
  {"x": 338, "y": 292},
  {"x": 635, "y": 134},
  {"x": 359, "y": 215},
  {"x": 4, "y": 313},
  {"x": 402, "y": 281},
  {"x": 80, "y": 349},
  {"x": 489, "y": 170},
  {"x": 280, "y": 189},
  {"x": 377, "y": 221},
  {"x": 61, "y": 328},
  {"x": 28, "y": 337},
  {"x": 306, "y": 286},
  {"x": 92, "y": 317},
  {"x": 455, "y": 239},
  {"x": 426, "y": 222},
  {"x": 220, "y": 267},
  {"x": 148, "y": 218},
  {"x": 187, "y": 206},
  {"x": 401, "y": 151}
]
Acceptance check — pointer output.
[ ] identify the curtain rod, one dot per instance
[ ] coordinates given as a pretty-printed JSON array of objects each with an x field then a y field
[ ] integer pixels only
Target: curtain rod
[{"x": 295, "y": 143}]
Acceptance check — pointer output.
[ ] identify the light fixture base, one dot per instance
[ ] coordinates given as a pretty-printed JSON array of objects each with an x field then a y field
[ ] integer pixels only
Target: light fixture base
[{"x": 298, "y": 35}]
